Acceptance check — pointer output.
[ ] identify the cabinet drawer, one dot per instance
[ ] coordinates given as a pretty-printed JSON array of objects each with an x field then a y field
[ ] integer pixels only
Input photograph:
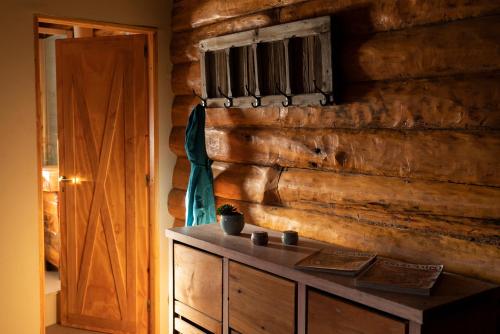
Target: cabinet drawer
[
  {"x": 198, "y": 280},
  {"x": 329, "y": 315},
  {"x": 260, "y": 303},
  {"x": 197, "y": 317},
  {"x": 183, "y": 327}
]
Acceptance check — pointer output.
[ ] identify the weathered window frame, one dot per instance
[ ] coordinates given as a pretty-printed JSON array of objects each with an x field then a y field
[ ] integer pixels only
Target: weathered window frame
[{"x": 320, "y": 27}]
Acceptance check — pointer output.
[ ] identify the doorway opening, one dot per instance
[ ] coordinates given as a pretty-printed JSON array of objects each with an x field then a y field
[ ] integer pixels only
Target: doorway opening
[{"x": 49, "y": 32}]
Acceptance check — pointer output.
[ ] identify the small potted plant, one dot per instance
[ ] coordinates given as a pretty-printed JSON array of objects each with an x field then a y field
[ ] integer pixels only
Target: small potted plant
[{"x": 231, "y": 221}]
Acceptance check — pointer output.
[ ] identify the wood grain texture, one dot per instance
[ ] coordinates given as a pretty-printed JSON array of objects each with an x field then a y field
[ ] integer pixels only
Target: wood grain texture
[
  {"x": 469, "y": 46},
  {"x": 461, "y": 256},
  {"x": 184, "y": 47},
  {"x": 280, "y": 260},
  {"x": 245, "y": 182},
  {"x": 51, "y": 224},
  {"x": 469, "y": 102},
  {"x": 394, "y": 194},
  {"x": 171, "y": 286},
  {"x": 390, "y": 214},
  {"x": 361, "y": 16},
  {"x": 184, "y": 327},
  {"x": 299, "y": 187},
  {"x": 370, "y": 15},
  {"x": 198, "y": 318},
  {"x": 103, "y": 113},
  {"x": 460, "y": 47},
  {"x": 352, "y": 17},
  {"x": 198, "y": 280},
  {"x": 433, "y": 155},
  {"x": 185, "y": 78},
  {"x": 328, "y": 315},
  {"x": 259, "y": 302},
  {"x": 189, "y": 14},
  {"x": 418, "y": 101},
  {"x": 179, "y": 223}
]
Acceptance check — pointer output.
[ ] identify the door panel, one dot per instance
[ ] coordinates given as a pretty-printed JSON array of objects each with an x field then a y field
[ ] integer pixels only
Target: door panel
[{"x": 103, "y": 152}]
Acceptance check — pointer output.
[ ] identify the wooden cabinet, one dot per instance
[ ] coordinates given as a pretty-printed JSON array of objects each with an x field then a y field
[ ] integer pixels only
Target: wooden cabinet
[
  {"x": 260, "y": 303},
  {"x": 235, "y": 287},
  {"x": 330, "y": 315}
]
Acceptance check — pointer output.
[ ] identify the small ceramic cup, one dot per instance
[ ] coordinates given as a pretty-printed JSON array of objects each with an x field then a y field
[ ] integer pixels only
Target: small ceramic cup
[
  {"x": 290, "y": 238},
  {"x": 260, "y": 238}
]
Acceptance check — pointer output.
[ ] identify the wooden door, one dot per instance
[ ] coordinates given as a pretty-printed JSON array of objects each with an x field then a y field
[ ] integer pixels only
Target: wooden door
[{"x": 103, "y": 152}]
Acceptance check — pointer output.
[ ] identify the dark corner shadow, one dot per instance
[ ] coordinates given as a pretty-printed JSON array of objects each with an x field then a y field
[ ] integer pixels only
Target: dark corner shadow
[{"x": 351, "y": 28}]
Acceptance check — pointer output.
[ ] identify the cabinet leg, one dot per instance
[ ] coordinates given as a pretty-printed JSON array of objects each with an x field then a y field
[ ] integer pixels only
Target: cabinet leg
[
  {"x": 415, "y": 328},
  {"x": 301, "y": 308}
]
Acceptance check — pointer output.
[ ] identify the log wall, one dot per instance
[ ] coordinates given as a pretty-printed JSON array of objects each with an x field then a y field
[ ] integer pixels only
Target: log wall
[{"x": 407, "y": 164}]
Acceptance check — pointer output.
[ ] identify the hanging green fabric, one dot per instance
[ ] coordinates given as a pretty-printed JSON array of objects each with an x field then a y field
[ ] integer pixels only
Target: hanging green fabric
[{"x": 200, "y": 203}]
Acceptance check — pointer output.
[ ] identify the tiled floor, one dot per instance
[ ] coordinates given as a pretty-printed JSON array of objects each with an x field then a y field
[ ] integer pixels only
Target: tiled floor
[{"x": 56, "y": 329}]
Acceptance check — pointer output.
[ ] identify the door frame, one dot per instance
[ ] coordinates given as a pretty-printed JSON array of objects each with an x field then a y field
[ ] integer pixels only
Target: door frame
[{"x": 152, "y": 64}]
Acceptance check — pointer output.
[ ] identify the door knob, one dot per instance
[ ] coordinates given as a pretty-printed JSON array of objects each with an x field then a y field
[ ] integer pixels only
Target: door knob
[
  {"x": 64, "y": 179},
  {"x": 70, "y": 180}
]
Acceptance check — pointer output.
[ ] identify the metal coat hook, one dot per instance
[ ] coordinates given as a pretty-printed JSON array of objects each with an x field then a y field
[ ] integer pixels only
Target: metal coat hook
[
  {"x": 229, "y": 100},
  {"x": 288, "y": 101},
  {"x": 257, "y": 102},
  {"x": 203, "y": 101},
  {"x": 328, "y": 98}
]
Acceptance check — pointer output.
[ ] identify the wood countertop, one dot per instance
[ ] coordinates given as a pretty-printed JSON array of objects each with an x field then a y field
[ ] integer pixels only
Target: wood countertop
[{"x": 279, "y": 259}]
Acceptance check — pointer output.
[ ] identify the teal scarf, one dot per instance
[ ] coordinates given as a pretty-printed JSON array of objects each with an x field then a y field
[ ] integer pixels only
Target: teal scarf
[{"x": 200, "y": 203}]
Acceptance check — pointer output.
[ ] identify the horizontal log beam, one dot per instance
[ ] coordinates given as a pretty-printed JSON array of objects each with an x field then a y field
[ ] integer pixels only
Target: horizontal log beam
[
  {"x": 185, "y": 78},
  {"x": 179, "y": 223},
  {"x": 188, "y": 14},
  {"x": 377, "y": 17},
  {"x": 299, "y": 187},
  {"x": 422, "y": 205},
  {"x": 257, "y": 184},
  {"x": 468, "y": 46},
  {"x": 461, "y": 256},
  {"x": 315, "y": 189},
  {"x": 430, "y": 51},
  {"x": 453, "y": 156},
  {"x": 418, "y": 52},
  {"x": 470, "y": 102},
  {"x": 360, "y": 15}
]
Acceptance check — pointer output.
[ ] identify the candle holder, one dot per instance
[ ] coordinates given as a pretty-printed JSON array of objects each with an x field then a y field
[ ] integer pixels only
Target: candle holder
[
  {"x": 260, "y": 238},
  {"x": 290, "y": 237}
]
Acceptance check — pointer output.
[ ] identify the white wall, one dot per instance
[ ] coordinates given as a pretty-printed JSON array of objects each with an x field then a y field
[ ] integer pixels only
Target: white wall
[{"x": 19, "y": 270}]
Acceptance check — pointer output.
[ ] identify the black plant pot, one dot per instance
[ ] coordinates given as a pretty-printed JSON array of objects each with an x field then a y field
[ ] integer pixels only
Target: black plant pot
[{"x": 232, "y": 225}]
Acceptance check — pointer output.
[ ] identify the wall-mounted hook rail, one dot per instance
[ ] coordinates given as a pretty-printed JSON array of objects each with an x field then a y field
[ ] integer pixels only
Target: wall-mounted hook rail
[
  {"x": 257, "y": 102},
  {"x": 327, "y": 100},
  {"x": 288, "y": 101},
  {"x": 229, "y": 100},
  {"x": 203, "y": 101}
]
